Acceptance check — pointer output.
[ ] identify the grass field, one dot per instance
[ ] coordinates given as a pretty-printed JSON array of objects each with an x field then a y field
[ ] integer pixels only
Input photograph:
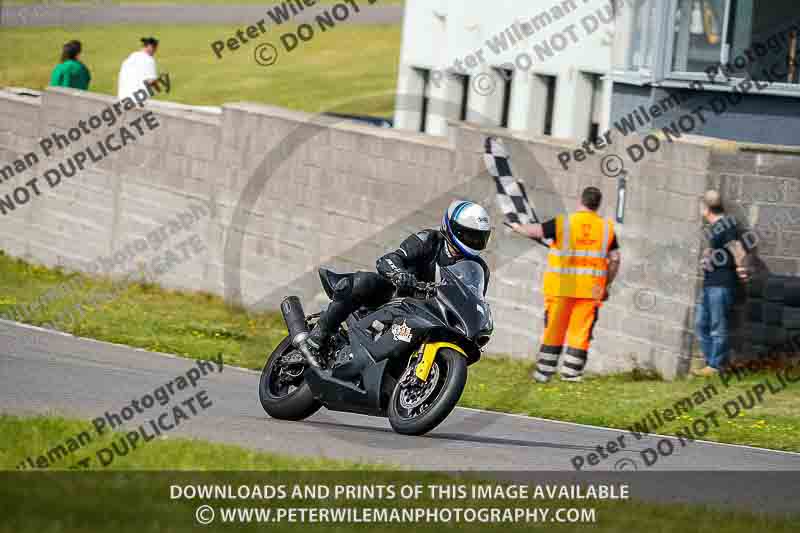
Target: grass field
[
  {"x": 23, "y": 437},
  {"x": 338, "y": 66},
  {"x": 203, "y": 326},
  {"x": 141, "y": 499}
]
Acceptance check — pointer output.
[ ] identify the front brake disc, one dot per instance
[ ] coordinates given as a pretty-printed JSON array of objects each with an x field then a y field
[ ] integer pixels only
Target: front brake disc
[{"x": 414, "y": 395}]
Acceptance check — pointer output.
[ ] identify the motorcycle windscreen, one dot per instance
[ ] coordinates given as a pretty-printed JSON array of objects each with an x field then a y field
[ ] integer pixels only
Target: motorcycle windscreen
[
  {"x": 470, "y": 273},
  {"x": 463, "y": 294}
]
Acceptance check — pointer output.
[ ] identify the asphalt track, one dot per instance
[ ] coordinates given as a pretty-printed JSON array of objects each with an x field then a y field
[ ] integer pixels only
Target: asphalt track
[
  {"x": 49, "y": 372},
  {"x": 175, "y": 14}
]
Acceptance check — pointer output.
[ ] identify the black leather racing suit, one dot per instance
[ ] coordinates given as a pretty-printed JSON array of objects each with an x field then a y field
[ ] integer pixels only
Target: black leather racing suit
[{"x": 418, "y": 255}]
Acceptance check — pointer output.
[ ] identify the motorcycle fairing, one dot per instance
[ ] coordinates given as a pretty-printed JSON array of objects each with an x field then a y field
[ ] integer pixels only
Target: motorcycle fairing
[
  {"x": 405, "y": 313},
  {"x": 340, "y": 395},
  {"x": 364, "y": 382}
]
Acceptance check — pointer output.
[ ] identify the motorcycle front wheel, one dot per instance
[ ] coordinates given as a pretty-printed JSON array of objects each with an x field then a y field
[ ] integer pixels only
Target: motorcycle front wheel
[
  {"x": 282, "y": 389},
  {"x": 416, "y": 407}
]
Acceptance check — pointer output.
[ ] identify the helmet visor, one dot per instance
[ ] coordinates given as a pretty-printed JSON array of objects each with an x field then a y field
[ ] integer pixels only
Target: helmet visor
[{"x": 470, "y": 237}]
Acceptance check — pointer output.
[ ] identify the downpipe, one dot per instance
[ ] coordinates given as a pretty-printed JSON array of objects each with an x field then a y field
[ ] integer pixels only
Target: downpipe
[{"x": 295, "y": 318}]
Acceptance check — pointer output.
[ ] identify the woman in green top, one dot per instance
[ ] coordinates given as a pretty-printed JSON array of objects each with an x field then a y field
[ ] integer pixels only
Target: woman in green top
[{"x": 71, "y": 72}]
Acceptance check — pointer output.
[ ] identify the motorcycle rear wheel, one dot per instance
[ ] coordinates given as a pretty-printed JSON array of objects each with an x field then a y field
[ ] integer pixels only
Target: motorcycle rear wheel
[
  {"x": 450, "y": 376},
  {"x": 292, "y": 400}
]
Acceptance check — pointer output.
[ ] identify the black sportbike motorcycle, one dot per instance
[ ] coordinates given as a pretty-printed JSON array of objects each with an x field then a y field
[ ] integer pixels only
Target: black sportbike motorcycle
[{"x": 406, "y": 360}]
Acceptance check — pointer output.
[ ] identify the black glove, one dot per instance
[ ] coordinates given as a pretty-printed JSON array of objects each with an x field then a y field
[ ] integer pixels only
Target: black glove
[{"x": 404, "y": 280}]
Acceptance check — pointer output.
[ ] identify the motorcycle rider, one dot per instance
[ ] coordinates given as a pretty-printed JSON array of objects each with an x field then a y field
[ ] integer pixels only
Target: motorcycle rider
[{"x": 464, "y": 234}]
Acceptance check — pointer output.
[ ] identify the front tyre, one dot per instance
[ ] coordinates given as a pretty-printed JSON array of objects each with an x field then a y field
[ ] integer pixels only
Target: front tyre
[
  {"x": 417, "y": 407},
  {"x": 283, "y": 390}
]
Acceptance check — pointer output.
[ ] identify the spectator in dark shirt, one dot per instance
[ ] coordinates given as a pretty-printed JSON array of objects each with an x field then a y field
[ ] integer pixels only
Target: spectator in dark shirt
[
  {"x": 723, "y": 264},
  {"x": 71, "y": 72}
]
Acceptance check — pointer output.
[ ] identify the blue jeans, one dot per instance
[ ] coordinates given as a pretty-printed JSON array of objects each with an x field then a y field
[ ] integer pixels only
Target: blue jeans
[{"x": 712, "y": 324}]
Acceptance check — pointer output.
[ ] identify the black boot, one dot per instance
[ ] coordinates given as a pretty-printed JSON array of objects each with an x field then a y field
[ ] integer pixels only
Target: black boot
[
  {"x": 315, "y": 346},
  {"x": 328, "y": 324},
  {"x": 318, "y": 339}
]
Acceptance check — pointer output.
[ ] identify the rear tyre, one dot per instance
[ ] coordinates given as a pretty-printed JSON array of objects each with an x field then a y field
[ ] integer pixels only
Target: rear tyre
[
  {"x": 416, "y": 409},
  {"x": 283, "y": 390}
]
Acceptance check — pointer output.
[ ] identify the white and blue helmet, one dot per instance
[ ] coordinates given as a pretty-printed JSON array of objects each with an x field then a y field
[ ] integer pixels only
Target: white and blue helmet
[{"x": 467, "y": 226}]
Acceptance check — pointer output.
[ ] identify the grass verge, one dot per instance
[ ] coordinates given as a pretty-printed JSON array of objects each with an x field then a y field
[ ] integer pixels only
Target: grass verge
[
  {"x": 324, "y": 73},
  {"x": 23, "y": 437},
  {"x": 202, "y": 326},
  {"x": 142, "y": 499}
]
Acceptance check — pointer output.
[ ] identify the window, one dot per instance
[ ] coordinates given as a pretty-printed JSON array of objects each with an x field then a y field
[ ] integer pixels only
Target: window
[
  {"x": 756, "y": 25},
  {"x": 588, "y": 106},
  {"x": 425, "y": 75},
  {"x": 637, "y": 36},
  {"x": 508, "y": 77},
  {"x": 596, "y": 111},
  {"x": 746, "y": 36},
  {"x": 550, "y": 103},
  {"x": 691, "y": 39},
  {"x": 463, "y": 83},
  {"x": 697, "y": 33},
  {"x": 537, "y": 108}
]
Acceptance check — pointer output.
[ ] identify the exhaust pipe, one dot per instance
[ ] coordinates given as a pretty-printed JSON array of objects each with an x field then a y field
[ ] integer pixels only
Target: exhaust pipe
[{"x": 295, "y": 318}]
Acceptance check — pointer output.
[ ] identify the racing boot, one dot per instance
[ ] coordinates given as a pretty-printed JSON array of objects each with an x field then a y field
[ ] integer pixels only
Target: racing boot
[{"x": 318, "y": 340}]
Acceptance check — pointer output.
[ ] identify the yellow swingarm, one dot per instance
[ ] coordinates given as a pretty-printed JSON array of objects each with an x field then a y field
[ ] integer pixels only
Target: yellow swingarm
[{"x": 429, "y": 354}]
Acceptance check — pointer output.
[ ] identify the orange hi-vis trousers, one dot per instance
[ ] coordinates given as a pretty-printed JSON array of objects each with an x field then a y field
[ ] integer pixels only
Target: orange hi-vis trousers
[{"x": 568, "y": 321}]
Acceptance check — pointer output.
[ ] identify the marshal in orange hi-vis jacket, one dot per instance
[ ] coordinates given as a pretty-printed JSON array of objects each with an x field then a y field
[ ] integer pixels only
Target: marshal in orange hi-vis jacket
[{"x": 583, "y": 261}]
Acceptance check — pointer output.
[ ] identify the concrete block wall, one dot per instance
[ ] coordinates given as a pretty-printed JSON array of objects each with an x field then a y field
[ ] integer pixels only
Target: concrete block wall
[
  {"x": 314, "y": 190},
  {"x": 117, "y": 202},
  {"x": 283, "y": 192},
  {"x": 760, "y": 185}
]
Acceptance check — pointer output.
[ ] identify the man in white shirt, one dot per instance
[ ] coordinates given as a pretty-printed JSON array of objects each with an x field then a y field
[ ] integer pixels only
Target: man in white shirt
[{"x": 138, "y": 71}]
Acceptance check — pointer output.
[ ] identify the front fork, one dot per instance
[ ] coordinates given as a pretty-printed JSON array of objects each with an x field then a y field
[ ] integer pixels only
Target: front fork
[{"x": 427, "y": 355}]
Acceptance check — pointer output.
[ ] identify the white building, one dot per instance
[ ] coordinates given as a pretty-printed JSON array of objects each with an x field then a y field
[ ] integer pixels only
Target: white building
[{"x": 538, "y": 66}]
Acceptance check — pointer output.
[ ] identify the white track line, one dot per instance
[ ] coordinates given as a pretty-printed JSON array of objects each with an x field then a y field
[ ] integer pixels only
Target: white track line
[{"x": 617, "y": 430}]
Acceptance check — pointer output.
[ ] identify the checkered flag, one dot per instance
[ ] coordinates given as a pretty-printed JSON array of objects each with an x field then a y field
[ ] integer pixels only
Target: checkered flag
[{"x": 511, "y": 195}]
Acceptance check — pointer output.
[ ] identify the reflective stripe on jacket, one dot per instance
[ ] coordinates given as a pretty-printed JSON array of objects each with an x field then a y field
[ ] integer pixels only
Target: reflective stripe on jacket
[{"x": 577, "y": 266}]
